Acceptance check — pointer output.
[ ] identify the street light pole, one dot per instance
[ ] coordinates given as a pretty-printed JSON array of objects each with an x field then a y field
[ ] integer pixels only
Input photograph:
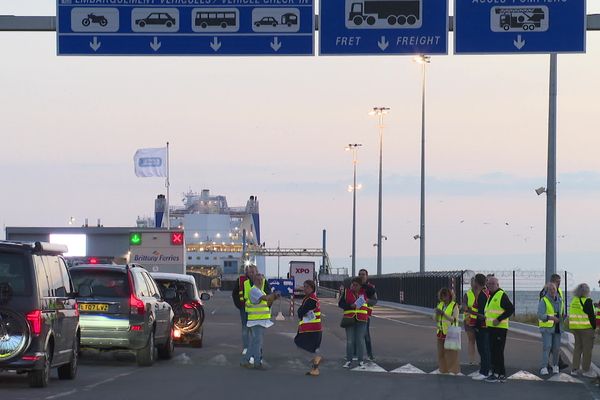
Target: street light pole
[
  {"x": 551, "y": 184},
  {"x": 354, "y": 148},
  {"x": 423, "y": 60},
  {"x": 380, "y": 112}
]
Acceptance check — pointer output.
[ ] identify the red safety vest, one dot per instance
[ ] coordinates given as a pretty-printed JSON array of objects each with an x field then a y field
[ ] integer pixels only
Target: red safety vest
[
  {"x": 362, "y": 314},
  {"x": 315, "y": 324}
]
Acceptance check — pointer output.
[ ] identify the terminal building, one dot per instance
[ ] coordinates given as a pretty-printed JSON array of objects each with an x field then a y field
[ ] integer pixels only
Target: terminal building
[{"x": 218, "y": 238}]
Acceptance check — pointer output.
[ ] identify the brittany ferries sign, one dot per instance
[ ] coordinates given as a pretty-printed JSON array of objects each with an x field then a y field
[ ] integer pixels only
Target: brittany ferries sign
[{"x": 158, "y": 250}]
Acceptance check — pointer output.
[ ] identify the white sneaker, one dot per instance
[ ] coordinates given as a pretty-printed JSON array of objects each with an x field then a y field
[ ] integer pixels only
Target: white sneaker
[
  {"x": 589, "y": 374},
  {"x": 544, "y": 371},
  {"x": 555, "y": 370},
  {"x": 479, "y": 377},
  {"x": 354, "y": 358},
  {"x": 244, "y": 352},
  {"x": 251, "y": 361},
  {"x": 362, "y": 365},
  {"x": 347, "y": 364}
]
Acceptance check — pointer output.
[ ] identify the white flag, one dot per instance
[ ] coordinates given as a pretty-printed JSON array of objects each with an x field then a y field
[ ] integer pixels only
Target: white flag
[{"x": 151, "y": 162}]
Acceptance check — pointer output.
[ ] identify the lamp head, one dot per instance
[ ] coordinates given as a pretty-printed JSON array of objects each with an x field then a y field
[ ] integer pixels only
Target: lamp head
[{"x": 540, "y": 190}]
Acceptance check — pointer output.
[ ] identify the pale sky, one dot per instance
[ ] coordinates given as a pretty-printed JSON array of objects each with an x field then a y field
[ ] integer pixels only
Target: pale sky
[{"x": 277, "y": 128}]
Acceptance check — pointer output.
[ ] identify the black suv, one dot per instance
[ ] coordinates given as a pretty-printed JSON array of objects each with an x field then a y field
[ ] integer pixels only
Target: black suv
[
  {"x": 39, "y": 321},
  {"x": 187, "y": 306},
  {"x": 121, "y": 307}
]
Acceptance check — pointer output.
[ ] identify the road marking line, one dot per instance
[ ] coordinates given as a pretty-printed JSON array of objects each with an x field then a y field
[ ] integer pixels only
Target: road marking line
[
  {"x": 525, "y": 376},
  {"x": 93, "y": 385},
  {"x": 407, "y": 323},
  {"x": 369, "y": 367},
  {"x": 408, "y": 369},
  {"x": 56, "y": 396}
]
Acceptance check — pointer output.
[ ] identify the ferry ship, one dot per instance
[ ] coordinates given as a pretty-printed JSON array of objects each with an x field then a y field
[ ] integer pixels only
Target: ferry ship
[{"x": 219, "y": 239}]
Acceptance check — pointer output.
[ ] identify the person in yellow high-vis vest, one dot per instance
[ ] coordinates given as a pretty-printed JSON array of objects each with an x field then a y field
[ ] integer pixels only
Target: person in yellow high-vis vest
[
  {"x": 469, "y": 310},
  {"x": 556, "y": 280},
  {"x": 446, "y": 315},
  {"x": 582, "y": 323},
  {"x": 258, "y": 308},
  {"x": 551, "y": 312},
  {"x": 497, "y": 311}
]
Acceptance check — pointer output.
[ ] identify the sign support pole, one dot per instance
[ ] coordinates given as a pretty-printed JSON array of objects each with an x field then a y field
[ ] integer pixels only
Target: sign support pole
[
  {"x": 551, "y": 184},
  {"x": 168, "y": 186}
]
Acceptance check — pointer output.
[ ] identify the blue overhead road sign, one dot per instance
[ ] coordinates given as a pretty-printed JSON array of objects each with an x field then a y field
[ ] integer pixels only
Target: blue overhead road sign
[
  {"x": 185, "y": 27},
  {"x": 519, "y": 26},
  {"x": 367, "y": 27}
]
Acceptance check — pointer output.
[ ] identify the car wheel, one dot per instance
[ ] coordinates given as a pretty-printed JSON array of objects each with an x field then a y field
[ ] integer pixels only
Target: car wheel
[
  {"x": 204, "y": 25},
  {"x": 69, "y": 371},
  {"x": 257, "y": 24},
  {"x": 39, "y": 378},
  {"x": 142, "y": 24},
  {"x": 103, "y": 22},
  {"x": 392, "y": 20},
  {"x": 274, "y": 24},
  {"x": 165, "y": 352},
  {"x": 358, "y": 20},
  {"x": 371, "y": 20},
  {"x": 411, "y": 20},
  {"x": 145, "y": 356},
  {"x": 223, "y": 25},
  {"x": 169, "y": 24},
  {"x": 85, "y": 22}
]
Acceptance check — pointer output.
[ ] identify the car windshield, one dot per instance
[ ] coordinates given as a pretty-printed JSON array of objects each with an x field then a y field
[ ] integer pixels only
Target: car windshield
[
  {"x": 15, "y": 273},
  {"x": 185, "y": 290},
  {"x": 103, "y": 283}
]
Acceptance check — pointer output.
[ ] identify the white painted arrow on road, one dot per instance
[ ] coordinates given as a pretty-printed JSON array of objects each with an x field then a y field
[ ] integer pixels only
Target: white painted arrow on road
[
  {"x": 215, "y": 44},
  {"x": 276, "y": 44},
  {"x": 519, "y": 43},
  {"x": 155, "y": 44},
  {"x": 95, "y": 45},
  {"x": 383, "y": 43}
]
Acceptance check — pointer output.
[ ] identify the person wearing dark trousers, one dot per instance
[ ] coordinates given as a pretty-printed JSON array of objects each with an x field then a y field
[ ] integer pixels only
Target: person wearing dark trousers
[
  {"x": 482, "y": 337},
  {"x": 497, "y": 312},
  {"x": 369, "y": 289}
]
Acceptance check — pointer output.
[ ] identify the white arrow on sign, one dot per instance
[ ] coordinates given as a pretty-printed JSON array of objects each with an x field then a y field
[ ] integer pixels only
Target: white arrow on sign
[
  {"x": 276, "y": 44},
  {"x": 215, "y": 44},
  {"x": 519, "y": 43},
  {"x": 155, "y": 44},
  {"x": 95, "y": 45},
  {"x": 383, "y": 43}
]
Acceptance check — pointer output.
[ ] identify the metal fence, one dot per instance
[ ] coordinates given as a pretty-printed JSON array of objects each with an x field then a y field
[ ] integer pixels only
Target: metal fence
[
  {"x": 412, "y": 288},
  {"x": 522, "y": 286}
]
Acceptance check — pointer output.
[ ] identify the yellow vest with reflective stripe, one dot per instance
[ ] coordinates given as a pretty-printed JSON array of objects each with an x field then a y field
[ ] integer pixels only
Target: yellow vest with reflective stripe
[
  {"x": 550, "y": 311},
  {"x": 578, "y": 319},
  {"x": 443, "y": 324},
  {"x": 470, "y": 302},
  {"x": 493, "y": 309},
  {"x": 256, "y": 312}
]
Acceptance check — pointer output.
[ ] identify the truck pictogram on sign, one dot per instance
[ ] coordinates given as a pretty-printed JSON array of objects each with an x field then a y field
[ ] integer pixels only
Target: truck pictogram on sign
[
  {"x": 377, "y": 14},
  {"x": 519, "y": 19}
]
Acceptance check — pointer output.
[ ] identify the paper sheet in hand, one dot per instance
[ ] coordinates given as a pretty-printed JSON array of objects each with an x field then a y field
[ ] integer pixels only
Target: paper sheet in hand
[
  {"x": 310, "y": 316},
  {"x": 360, "y": 302}
]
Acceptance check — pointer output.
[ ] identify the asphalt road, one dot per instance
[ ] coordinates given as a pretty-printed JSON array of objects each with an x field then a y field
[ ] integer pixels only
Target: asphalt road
[{"x": 213, "y": 372}]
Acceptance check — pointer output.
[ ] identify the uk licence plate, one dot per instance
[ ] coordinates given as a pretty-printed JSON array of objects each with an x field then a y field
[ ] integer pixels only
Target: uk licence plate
[{"x": 93, "y": 307}]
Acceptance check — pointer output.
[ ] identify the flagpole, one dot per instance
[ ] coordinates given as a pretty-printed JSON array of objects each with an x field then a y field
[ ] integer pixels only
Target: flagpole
[{"x": 168, "y": 185}]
